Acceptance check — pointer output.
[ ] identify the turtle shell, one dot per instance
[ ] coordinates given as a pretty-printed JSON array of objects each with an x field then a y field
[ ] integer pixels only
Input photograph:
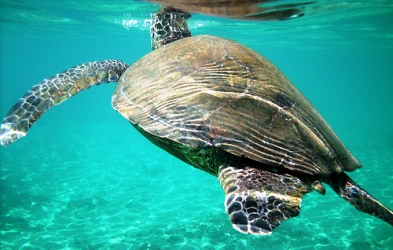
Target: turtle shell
[{"x": 207, "y": 92}]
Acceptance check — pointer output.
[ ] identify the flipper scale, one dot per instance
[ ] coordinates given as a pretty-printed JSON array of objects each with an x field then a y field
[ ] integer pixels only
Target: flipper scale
[
  {"x": 258, "y": 200},
  {"x": 350, "y": 191},
  {"x": 53, "y": 91}
]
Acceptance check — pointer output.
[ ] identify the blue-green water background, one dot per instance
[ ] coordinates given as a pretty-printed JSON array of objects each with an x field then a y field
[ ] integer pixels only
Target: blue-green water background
[{"x": 83, "y": 178}]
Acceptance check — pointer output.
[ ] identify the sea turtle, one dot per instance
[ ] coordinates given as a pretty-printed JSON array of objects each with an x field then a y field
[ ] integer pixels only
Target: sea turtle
[{"x": 223, "y": 108}]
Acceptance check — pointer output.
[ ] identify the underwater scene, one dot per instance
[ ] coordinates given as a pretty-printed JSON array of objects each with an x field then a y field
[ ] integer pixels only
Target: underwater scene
[{"x": 85, "y": 178}]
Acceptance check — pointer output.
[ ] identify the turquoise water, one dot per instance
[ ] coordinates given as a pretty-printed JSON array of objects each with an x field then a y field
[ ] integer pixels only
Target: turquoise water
[{"x": 83, "y": 178}]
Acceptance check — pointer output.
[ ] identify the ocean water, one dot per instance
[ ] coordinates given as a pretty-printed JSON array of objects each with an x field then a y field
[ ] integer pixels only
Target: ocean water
[{"x": 83, "y": 178}]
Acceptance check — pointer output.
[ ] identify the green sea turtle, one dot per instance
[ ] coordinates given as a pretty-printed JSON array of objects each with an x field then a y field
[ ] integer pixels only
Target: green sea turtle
[{"x": 223, "y": 108}]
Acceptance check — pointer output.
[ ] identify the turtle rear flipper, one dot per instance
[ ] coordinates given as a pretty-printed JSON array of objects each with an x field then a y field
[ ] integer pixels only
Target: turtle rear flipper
[
  {"x": 53, "y": 91},
  {"x": 258, "y": 200},
  {"x": 358, "y": 197}
]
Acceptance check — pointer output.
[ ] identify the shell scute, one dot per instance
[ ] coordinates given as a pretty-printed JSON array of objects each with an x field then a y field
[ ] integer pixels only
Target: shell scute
[{"x": 207, "y": 91}]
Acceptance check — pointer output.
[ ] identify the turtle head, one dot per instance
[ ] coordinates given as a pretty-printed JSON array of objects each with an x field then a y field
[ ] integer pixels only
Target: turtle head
[{"x": 168, "y": 25}]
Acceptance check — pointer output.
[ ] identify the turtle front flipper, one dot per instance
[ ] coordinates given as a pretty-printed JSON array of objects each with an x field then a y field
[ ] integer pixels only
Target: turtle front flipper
[
  {"x": 258, "y": 200},
  {"x": 53, "y": 91}
]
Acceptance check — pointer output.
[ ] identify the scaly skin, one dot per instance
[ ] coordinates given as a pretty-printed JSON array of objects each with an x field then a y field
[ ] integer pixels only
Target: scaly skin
[
  {"x": 258, "y": 200},
  {"x": 168, "y": 25},
  {"x": 53, "y": 91},
  {"x": 350, "y": 191}
]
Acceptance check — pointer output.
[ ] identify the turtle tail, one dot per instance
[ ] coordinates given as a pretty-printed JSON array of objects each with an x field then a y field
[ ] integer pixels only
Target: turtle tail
[
  {"x": 359, "y": 198},
  {"x": 53, "y": 91}
]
